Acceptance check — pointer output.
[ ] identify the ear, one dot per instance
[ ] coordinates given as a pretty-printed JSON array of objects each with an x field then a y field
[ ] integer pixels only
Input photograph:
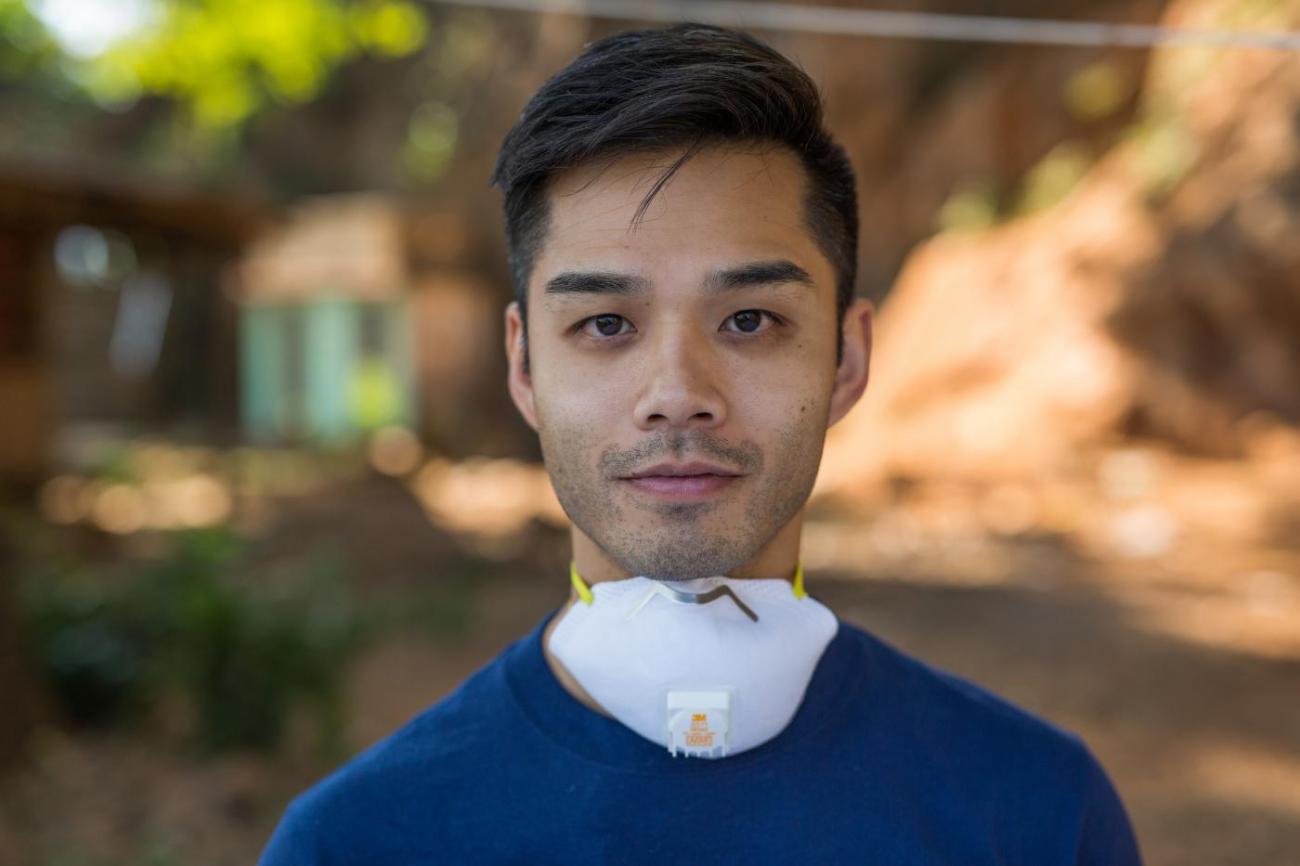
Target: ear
[
  {"x": 855, "y": 362},
  {"x": 518, "y": 381}
]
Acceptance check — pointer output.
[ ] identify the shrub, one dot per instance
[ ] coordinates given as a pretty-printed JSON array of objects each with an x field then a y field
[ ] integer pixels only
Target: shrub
[{"x": 243, "y": 646}]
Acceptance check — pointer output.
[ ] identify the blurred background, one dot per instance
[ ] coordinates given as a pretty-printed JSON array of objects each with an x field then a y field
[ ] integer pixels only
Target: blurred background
[{"x": 264, "y": 497}]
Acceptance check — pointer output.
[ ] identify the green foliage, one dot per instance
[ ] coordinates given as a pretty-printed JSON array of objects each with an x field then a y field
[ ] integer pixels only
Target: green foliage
[
  {"x": 972, "y": 206},
  {"x": 96, "y": 640},
  {"x": 444, "y": 609},
  {"x": 25, "y": 46},
  {"x": 223, "y": 59},
  {"x": 975, "y": 205},
  {"x": 1054, "y": 177},
  {"x": 1096, "y": 91},
  {"x": 430, "y": 140},
  {"x": 243, "y": 654},
  {"x": 1164, "y": 151}
]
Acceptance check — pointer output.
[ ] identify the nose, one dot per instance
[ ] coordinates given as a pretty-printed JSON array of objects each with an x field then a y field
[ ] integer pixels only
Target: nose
[{"x": 679, "y": 388}]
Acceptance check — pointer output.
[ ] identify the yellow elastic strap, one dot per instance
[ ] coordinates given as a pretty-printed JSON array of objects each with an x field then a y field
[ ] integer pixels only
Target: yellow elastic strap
[
  {"x": 799, "y": 591},
  {"x": 584, "y": 591}
]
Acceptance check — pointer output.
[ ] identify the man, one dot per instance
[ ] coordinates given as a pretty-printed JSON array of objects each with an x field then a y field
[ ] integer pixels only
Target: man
[{"x": 683, "y": 235}]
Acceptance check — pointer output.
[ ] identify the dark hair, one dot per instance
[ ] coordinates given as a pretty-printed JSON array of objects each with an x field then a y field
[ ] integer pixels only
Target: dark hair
[{"x": 690, "y": 86}]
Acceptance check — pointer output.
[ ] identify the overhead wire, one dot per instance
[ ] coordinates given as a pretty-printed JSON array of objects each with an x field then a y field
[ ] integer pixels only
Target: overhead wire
[{"x": 901, "y": 25}]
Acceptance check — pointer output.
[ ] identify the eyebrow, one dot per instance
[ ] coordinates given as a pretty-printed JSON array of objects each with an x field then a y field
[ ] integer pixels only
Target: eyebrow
[
  {"x": 595, "y": 283},
  {"x": 723, "y": 280},
  {"x": 758, "y": 274}
]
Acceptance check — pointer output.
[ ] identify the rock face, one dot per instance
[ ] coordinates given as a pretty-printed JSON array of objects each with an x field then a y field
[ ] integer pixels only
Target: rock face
[
  {"x": 1161, "y": 298},
  {"x": 925, "y": 120}
]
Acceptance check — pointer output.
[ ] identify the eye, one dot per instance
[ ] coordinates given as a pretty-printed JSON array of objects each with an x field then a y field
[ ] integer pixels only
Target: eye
[
  {"x": 604, "y": 325},
  {"x": 751, "y": 321}
]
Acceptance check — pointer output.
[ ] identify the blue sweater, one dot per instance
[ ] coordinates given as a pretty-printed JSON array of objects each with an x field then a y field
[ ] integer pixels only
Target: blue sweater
[{"x": 888, "y": 761}]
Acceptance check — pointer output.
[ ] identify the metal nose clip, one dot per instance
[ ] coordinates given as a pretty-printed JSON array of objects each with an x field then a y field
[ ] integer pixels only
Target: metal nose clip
[{"x": 682, "y": 597}]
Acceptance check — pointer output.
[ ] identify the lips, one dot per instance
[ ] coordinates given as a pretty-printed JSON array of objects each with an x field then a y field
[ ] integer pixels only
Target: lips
[
  {"x": 682, "y": 481},
  {"x": 683, "y": 470}
]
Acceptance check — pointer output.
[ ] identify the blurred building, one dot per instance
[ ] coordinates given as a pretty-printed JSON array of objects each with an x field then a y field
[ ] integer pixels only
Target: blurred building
[
  {"x": 111, "y": 310},
  {"x": 325, "y": 344},
  {"x": 355, "y": 315}
]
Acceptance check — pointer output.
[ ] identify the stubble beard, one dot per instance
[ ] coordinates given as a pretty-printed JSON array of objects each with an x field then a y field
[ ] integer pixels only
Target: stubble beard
[{"x": 682, "y": 541}]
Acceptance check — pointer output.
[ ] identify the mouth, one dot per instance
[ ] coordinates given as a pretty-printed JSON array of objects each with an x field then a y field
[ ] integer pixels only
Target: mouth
[{"x": 682, "y": 481}]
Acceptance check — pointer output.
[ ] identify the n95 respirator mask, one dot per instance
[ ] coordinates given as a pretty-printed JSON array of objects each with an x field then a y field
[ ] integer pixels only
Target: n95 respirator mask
[{"x": 707, "y": 667}]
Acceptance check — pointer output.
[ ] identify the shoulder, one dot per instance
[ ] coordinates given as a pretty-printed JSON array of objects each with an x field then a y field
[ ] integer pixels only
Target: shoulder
[
  {"x": 1021, "y": 769},
  {"x": 940, "y": 706},
  {"x": 327, "y": 823}
]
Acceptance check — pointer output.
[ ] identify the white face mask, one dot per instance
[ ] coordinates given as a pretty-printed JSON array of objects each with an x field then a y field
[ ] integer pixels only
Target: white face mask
[{"x": 708, "y": 667}]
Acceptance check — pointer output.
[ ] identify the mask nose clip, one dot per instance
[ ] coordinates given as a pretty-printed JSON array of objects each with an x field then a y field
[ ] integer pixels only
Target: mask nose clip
[{"x": 680, "y": 597}]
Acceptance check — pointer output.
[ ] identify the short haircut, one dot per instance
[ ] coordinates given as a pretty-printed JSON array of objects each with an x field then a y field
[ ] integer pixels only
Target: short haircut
[{"x": 687, "y": 86}]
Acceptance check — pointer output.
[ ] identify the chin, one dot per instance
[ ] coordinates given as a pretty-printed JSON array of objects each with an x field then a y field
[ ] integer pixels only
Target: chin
[{"x": 675, "y": 562}]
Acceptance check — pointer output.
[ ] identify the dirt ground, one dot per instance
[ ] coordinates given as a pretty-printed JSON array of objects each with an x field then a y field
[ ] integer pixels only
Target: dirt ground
[{"x": 1187, "y": 688}]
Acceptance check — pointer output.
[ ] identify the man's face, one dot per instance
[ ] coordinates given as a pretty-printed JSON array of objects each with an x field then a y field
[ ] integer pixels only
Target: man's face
[{"x": 682, "y": 369}]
